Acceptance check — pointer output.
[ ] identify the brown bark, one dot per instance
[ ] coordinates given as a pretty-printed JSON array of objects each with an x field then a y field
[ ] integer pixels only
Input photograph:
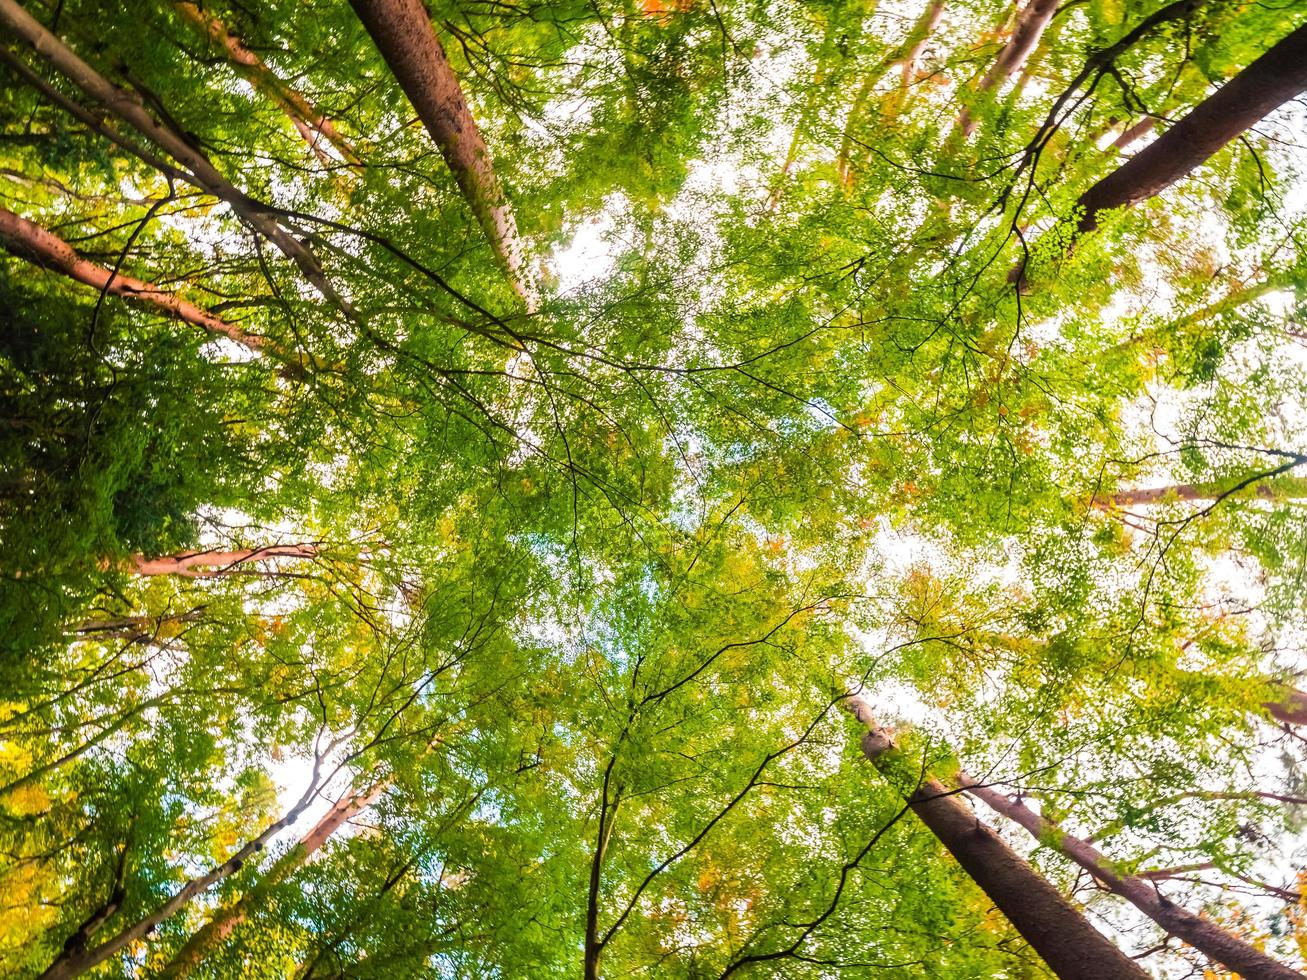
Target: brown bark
[
  {"x": 129, "y": 109},
  {"x": 1030, "y": 27},
  {"x": 1273, "y": 79},
  {"x": 225, "y": 920},
  {"x": 1284, "y": 488},
  {"x": 1141, "y": 128},
  {"x": 32, "y": 242},
  {"x": 311, "y": 124},
  {"x": 1291, "y": 709},
  {"x": 1203, "y": 935},
  {"x": 210, "y": 564},
  {"x": 1053, "y": 927},
  {"x": 76, "y": 959},
  {"x": 406, "y": 38}
]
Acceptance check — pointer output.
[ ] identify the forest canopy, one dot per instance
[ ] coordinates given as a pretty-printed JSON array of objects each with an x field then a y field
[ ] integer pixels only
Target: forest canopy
[{"x": 669, "y": 488}]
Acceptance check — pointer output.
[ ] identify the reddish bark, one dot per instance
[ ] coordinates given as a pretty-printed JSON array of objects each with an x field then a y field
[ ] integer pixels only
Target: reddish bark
[
  {"x": 226, "y": 919},
  {"x": 406, "y": 38},
  {"x": 1054, "y": 928},
  {"x": 1291, "y": 709},
  {"x": 129, "y": 109},
  {"x": 76, "y": 958},
  {"x": 1273, "y": 79},
  {"x": 311, "y": 124},
  {"x": 210, "y": 564},
  {"x": 1202, "y": 934},
  {"x": 32, "y": 242},
  {"x": 1029, "y": 29}
]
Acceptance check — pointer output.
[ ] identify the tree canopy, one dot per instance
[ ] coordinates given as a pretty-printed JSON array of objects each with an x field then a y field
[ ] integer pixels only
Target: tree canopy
[{"x": 688, "y": 488}]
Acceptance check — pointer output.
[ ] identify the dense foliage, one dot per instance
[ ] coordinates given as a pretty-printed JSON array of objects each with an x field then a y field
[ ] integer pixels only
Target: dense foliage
[{"x": 540, "y": 614}]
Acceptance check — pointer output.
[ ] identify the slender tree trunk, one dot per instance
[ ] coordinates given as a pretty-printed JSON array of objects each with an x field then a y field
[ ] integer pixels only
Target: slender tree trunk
[
  {"x": 1054, "y": 928},
  {"x": 1205, "y": 936},
  {"x": 76, "y": 959},
  {"x": 311, "y": 124},
  {"x": 32, "y": 242},
  {"x": 21, "y": 24},
  {"x": 226, "y": 919},
  {"x": 406, "y": 38},
  {"x": 1273, "y": 79},
  {"x": 1030, "y": 27},
  {"x": 905, "y": 54},
  {"x": 209, "y": 564},
  {"x": 1281, "y": 488}
]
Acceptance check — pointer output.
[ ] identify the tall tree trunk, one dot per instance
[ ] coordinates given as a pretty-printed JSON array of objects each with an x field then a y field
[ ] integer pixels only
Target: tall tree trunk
[
  {"x": 129, "y": 109},
  {"x": 76, "y": 959},
  {"x": 1054, "y": 928},
  {"x": 1202, "y": 934},
  {"x": 907, "y": 54},
  {"x": 1273, "y": 79},
  {"x": 1030, "y": 28},
  {"x": 31, "y": 241},
  {"x": 406, "y": 38},
  {"x": 311, "y": 124},
  {"x": 1281, "y": 488},
  {"x": 225, "y": 920},
  {"x": 210, "y": 564}
]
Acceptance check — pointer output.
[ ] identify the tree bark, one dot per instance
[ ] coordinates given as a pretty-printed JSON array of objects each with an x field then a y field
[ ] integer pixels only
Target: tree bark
[
  {"x": 1283, "y": 488},
  {"x": 311, "y": 124},
  {"x": 225, "y": 920},
  {"x": 129, "y": 109},
  {"x": 30, "y": 241},
  {"x": 907, "y": 52},
  {"x": 1053, "y": 927},
  {"x": 1030, "y": 27},
  {"x": 1291, "y": 709},
  {"x": 1273, "y": 79},
  {"x": 1202, "y": 934},
  {"x": 76, "y": 959},
  {"x": 210, "y": 564},
  {"x": 406, "y": 38}
]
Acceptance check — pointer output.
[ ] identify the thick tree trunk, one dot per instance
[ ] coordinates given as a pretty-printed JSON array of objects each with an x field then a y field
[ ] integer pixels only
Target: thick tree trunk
[
  {"x": 1273, "y": 79},
  {"x": 406, "y": 38},
  {"x": 225, "y": 920},
  {"x": 32, "y": 242},
  {"x": 311, "y": 124},
  {"x": 1291, "y": 709},
  {"x": 1054, "y": 928},
  {"x": 129, "y": 109},
  {"x": 1202, "y": 934},
  {"x": 1030, "y": 28},
  {"x": 76, "y": 959},
  {"x": 210, "y": 564}
]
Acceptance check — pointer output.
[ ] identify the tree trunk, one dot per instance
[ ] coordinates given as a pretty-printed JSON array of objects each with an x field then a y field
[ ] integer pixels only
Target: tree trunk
[
  {"x": 1273, "y": 79},
  {"x": 225, "y": 920},
  {"x": 1030, "y": 27},
  {"x": 210, "y": 564},
  {"x": 1054, "y": 928},
  {"x": 1282, "y": 488},
  {"x": 129, "y": 109},
  {"x": 1291, "y": 709},
  {"x": 32, "y": 242},
  {"x": 907, "y": 52},
  {"x": 1202, "y": 934},
  {"x": 312, "y": 125},
  {"x": 76, "y": 959},
  {"x": 406, "y": 38}
]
